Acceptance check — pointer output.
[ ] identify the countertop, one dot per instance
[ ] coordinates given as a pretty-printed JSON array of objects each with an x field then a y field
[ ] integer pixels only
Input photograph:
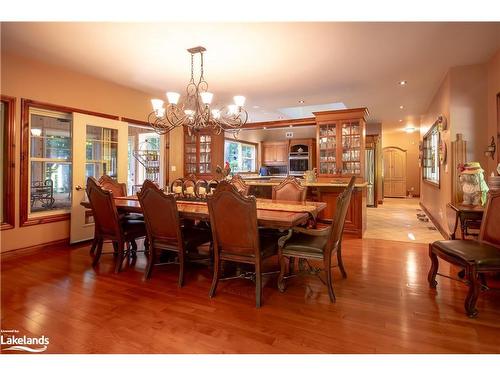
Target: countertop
[{"x": 303, "y": 183}]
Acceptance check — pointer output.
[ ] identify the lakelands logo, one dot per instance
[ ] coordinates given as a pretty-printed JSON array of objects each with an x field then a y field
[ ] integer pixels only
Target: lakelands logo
[{"x": 22, "y": 343}]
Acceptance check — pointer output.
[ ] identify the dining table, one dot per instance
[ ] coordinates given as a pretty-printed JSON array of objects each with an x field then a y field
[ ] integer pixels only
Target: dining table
[{"x": 273, "y": 214}]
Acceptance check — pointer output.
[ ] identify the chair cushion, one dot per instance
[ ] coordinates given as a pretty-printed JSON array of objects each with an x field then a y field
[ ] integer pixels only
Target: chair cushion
[
  {"x": 305, "y": 245},
  {"x": 133, "y": 228},
  {"x": 480, "y": 253}
]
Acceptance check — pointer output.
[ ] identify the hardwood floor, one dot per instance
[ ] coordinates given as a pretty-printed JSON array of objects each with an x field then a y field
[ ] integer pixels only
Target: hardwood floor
[{"x": 384, "y": 306}]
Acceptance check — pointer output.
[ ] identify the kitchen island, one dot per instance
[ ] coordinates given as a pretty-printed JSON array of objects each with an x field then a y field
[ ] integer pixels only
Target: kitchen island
[{"x": 324, "y": 191}]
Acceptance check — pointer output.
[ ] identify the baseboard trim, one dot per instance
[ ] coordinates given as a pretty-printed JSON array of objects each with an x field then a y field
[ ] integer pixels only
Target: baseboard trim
[
  {"x": 436, "y": 223},
  {"x": 35, "y": 248}
]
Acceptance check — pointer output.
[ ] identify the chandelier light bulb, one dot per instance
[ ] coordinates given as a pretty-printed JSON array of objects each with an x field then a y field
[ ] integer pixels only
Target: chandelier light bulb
[
  {"x": 157, "y": 104},
  {"x": 216, "y": 114},
  {"x": 189, "y": 112},
  {"x": 206, "y": 97},
  {"x": 239, "y": 100},
  {"x": 173, "y": 97},
  {"x": 160, "y": 112},
  {"x": 232, "y": 109}
]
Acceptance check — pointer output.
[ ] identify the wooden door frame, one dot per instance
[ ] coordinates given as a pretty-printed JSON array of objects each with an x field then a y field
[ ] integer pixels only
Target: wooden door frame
[{"x": 406, "y": 165}]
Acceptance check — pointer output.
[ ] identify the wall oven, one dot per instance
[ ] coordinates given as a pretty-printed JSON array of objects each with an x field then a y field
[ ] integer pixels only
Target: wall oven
[{"x": 298, "y": 165}]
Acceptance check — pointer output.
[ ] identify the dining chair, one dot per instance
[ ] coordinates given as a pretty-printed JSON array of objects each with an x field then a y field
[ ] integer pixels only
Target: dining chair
[
  {"x": 240, "y": 185},
  {"x": 317, "y": 244},
  {"x": 477, "y": 257},
  {"x": 164, "y": 230},
  {"x": 233, "y": 218},
  {"x": 289, "y": 190},
  {"x": 109, "y": 226},
  {"x": 117, "y": 188}
]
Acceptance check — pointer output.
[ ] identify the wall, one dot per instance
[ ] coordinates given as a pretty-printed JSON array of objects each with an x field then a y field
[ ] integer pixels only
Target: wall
[
  {"x": 467, "y": 97},
  {"x": 30, "y": 79},
  {"x": 493, "y": 89}
]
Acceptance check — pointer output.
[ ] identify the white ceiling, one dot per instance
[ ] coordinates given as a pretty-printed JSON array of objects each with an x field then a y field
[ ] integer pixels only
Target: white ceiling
[{"x": 273, "y": 64}]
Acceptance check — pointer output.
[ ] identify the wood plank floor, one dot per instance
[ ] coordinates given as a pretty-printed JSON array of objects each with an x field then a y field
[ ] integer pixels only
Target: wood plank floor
[{"x": 384, "y": 306}]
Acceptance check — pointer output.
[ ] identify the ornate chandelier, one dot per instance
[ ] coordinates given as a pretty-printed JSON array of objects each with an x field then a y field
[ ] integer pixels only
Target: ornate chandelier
[{"x": 194, "y": 111}]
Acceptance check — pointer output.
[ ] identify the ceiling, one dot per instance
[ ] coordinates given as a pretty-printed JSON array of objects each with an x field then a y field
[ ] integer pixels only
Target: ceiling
[{"x": 273, "y": 64}]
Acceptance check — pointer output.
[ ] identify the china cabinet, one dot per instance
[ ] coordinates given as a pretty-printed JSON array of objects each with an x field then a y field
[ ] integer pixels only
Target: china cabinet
[
  {"x": 341, "y": 142},
  {"x": 203, "y": 151}
]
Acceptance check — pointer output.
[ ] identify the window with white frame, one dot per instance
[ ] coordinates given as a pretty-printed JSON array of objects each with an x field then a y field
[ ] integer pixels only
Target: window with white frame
[
  {"x": 430, "y": 167},
  {"x": 241, "y": 156},
  {"x": 50, "y": 161}
]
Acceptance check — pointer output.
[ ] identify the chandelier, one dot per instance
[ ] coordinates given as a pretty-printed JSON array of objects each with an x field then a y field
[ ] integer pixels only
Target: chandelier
[{"x": 194, "y": 112}]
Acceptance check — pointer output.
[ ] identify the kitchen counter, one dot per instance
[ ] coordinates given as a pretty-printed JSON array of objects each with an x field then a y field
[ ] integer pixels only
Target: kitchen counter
[{"x": 308, "y": 184}]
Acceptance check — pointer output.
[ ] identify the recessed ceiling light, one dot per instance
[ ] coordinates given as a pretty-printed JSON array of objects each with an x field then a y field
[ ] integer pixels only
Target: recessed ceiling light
[
  {"x": 400, "y": 120},
  {"x": 403, "y": 83},
  {"x": 291, "y": 126},
  {"x": 401, "y": 107},
  {"x": 265, "y": 128},
  {"x": 301, "y": 101},
  {"x": 255, "y": 106}
]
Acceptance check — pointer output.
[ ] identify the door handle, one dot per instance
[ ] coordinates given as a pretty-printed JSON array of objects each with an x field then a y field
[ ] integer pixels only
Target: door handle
[{"x": 78, "y": 188}]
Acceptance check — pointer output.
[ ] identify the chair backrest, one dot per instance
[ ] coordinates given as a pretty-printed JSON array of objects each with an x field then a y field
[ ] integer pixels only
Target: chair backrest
[
  {"x": 104, "y": 211},
  {"x": 240, "y": 185},
  {"x": 233, "y": 218},
  {"x": 337, "y": 227},
  {"x": 290, "y": 190},
  {"x": 160, "y": 214},
  {"x": 490, "y": 225},
  {"x": 117, "y": 188}
]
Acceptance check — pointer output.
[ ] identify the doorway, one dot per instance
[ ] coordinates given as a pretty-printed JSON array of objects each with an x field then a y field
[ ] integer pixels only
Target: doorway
[{"x": 394, "y": 172}]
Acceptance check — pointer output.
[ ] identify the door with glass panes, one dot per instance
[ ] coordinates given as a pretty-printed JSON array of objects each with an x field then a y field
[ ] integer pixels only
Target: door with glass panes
[{"x": 99, "y": 147}]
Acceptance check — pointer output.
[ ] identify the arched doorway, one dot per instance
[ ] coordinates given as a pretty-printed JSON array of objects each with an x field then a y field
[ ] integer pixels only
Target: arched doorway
[{"x": 394, "y": 172}]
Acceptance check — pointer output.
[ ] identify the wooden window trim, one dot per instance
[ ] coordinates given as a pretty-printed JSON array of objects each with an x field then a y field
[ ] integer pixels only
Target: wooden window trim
[
  {"x": 26, "y": 104},
  {"x": 9, "y": 149},
  {"x": 256, "y": 145},
  {"x": 426, "y": 181}
]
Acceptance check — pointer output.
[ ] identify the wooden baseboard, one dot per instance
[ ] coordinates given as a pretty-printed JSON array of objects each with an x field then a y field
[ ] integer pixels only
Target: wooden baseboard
[
  {"x": 436, "y": 223},
  {"x": 380, "y": 201},
  {"x": 35, "y": 248}
]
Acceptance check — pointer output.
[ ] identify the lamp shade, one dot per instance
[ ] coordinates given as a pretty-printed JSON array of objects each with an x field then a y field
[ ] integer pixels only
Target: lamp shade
[
  {"x": 232, "y": 109},
  {"x": 216, "y": 114},
  {"x": 157, "y": 104},
  {"x": 173, "y": 97},
  {"x": 206, "y": 97},
  {"x": 239, "y": 100}
]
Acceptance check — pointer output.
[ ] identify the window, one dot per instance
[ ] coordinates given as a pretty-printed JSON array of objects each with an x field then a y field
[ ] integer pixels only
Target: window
[
  {"x": 50, "y": 161},
  {"x": 240, "y": 155},
  {"x": 430, "y": 164},
  {"x": 143, "y": 156},
  {"x": 7, "y": 110}
]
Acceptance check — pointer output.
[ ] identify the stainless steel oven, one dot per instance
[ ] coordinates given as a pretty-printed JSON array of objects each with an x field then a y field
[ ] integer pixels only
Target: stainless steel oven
[{"x": 298, "y": 164}]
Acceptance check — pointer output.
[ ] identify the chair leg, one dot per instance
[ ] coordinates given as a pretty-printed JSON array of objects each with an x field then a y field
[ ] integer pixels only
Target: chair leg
[
  {"x": 119, "y": 260},
  {"x": 98, "y": 253},
  {"x": 431, "y": 277},
  {"x": 146, "y": 245},
  {"x": 181, "y": 268},
  {"x": 151, "y": 262},
  {"x": 134, "y": 248},
  {"x": 95, "y": 242},
  {"x": 340, "y": 262},
  {"x": 115, "y": 248},
  {"x": 328, "y": 271},
  {"x": 215, "y": 279},
  {"x": 473, "y": 294},
  {"x": 258, "y": 285},
  {"x": 281, "y": 277},
  {"x": 291, "y": 265}
]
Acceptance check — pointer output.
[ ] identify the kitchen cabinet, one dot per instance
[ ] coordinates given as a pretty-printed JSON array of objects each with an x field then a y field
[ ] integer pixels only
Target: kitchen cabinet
[
  {"x": 203, "y": 151},
  {"x": 341, "y": 142},
  {"x": 274, "y": 153}
]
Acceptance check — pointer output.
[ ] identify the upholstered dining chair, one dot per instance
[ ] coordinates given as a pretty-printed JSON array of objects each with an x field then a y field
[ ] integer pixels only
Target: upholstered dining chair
[
  {"x": 117, "y": 188},
  {"x": 109, "y": 226},
  {"x": 317, "y": 244},
  {"x": 240, "y": 185},
  {"x": 477, "y": 257},
  {"x": 289, "y": 190},
  {"x": 233, "y": 218},
  {"x": 164, "y": 229}
]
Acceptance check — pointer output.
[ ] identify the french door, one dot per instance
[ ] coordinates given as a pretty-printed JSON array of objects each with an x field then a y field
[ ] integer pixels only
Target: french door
[{"x": 99, "y": 147}]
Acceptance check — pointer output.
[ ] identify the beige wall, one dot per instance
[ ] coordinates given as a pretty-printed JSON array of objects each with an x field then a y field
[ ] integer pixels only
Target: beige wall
[
  {"x": 30, "y": 79},
  {"x": 394, "y": 136},
  {"x": 493, "y": 89},
  {"x": 467, "y": 97}
]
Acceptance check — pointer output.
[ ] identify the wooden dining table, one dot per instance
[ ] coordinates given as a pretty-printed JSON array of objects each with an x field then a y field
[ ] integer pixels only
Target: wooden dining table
[{"x": 271, "y": 213}]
